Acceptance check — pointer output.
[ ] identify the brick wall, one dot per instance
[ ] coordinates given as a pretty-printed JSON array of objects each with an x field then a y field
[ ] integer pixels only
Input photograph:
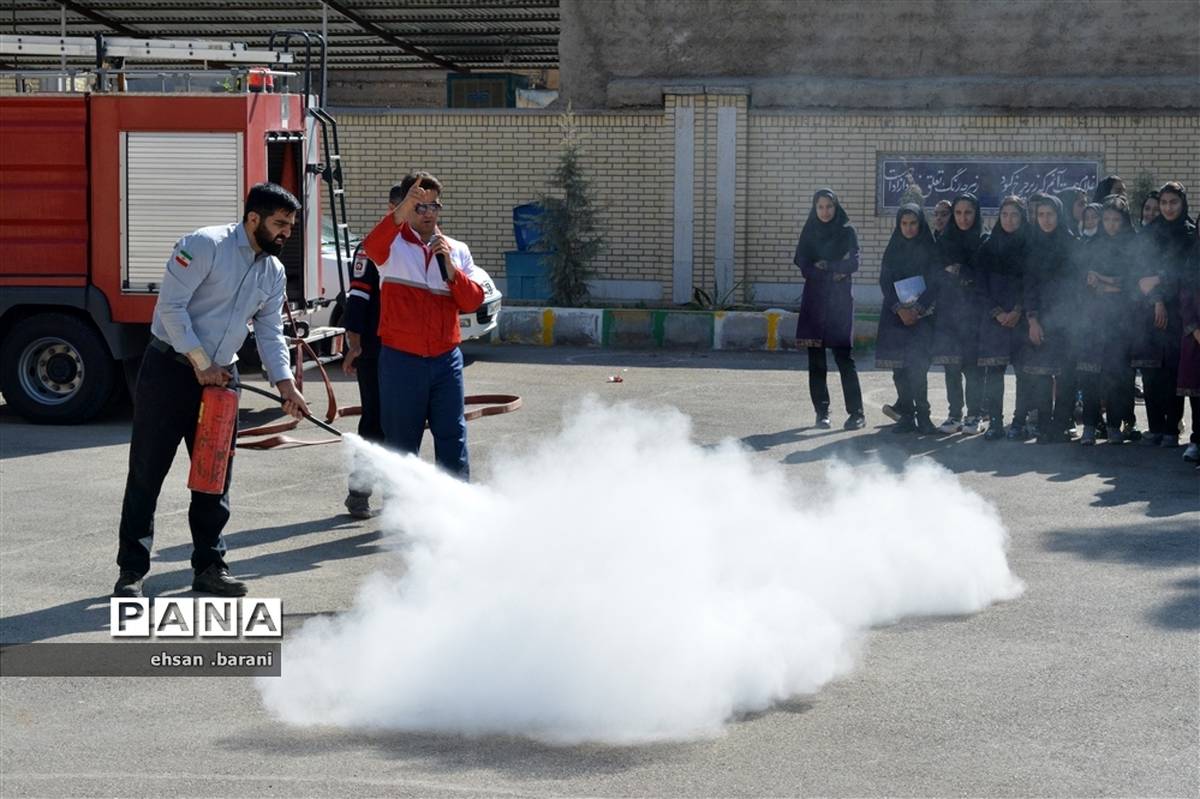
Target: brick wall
[
  {"x": 491, "y": 161},
  {"x": 791, "y": 155}
]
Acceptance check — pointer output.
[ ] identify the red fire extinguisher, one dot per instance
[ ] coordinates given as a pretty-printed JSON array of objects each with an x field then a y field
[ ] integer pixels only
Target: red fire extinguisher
[
  {"x": 215, "y": 429},
  {"x": 213, "y": 445}
]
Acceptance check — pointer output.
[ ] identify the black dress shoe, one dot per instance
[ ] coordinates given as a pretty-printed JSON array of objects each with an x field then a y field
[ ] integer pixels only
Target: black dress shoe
[
  {"x": 855, "y": 422},
  {"x": 216, "y": 580},
  {"x": 129, "y": 584},
  {"x": 905, "y": 425},
  {"x": 926, "y": 427}
]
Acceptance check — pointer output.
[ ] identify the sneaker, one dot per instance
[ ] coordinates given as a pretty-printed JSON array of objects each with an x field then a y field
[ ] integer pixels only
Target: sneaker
[
  {"x": 1102, "y": 431},
  {"x": 1169, "y": 441},
  {"x": 951, "y": 425},
  {"x": 1116, "y": 436},
  {"x": 129, "y": 584},
  {"x": 1031, "y": 432},
  {"x": 216, "y": 580},
  {"x": 1046, "y": 438},
  {"x": 823, "y": 421},
  {"x": 995, "y": 431},
  {"x": 1192, "y": 453},
  {"x": 1089, "y": 436},
  {"x": 890, "y": 412},
  {"x": 855, "y": 422},
  {"x": 359, "y": 505},
  {"x": 905, "y": 425},
  {"x": 925, "y": 426},
  {"x": 1014, "y": 433},
  {"x": 1130, "y": 433},
  {"x": 1152, "y": 440},
  {"x": 971, "y": 425}
]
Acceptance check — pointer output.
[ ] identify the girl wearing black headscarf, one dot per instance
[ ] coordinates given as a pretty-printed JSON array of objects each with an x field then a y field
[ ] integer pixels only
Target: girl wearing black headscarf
[
  {"x": 1000, "y": 267},
  {"x": 1158, "y": 327},
  {"x": 1047, "y": 293},
  {"x": 827, "y": 255},
  {"x": 956, "y": 325},
  {"x": 1073, "y": 202},
  {"x": 1089, "y": 224},
  {"x": 1103, "y": 342},
  {"x": 1110, "y": 185},
  {"x": 905, "y": 327},
  {"x": 1149, "y": 209}
]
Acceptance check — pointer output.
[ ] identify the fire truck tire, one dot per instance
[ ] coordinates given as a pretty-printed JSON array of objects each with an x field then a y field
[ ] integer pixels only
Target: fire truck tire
[{"x": 56, "y": 369}]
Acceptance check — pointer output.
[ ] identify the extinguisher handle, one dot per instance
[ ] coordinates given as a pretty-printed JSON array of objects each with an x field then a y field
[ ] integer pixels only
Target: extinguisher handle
[{"x": 271, "y": 395}]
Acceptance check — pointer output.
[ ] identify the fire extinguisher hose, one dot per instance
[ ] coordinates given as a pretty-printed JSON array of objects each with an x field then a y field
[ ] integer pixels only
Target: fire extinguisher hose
[
  {"x": 477, "y": 406},
  {"x": 270, "y": 395}
]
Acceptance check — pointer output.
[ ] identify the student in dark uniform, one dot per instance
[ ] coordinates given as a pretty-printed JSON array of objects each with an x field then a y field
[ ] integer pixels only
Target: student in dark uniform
[
  {"x": 1000, "y": 266},
  {"x": 361, "y": 321},
  {"x": 905, "y": 328},
  {"x": 1157, "y": 324},
  {"x": 1149, "y": 209},
  {"x": 1049, "y": 308},
  {"x": 1089, "y": 224},
  {"x": 1110, "y": 185},
  {"x": 1103, "y": 345},
  {"x": 1073, "y": 201},
  {"x": 827, "y": 255},
  {"x": 956, "y": 325},
  {"x": 941, "y": 217}
]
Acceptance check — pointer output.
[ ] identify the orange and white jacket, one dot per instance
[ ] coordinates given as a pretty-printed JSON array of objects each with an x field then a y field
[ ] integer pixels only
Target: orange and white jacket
[{"x": 418, "y": 312}]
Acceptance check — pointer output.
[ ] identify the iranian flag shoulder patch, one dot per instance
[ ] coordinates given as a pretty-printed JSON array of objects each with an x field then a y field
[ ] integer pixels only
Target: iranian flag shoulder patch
[{"x": 183, "y": 257}]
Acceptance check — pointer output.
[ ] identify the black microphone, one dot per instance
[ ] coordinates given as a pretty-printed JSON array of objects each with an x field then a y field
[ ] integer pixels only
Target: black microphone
[{"x": 441, "y": 259}]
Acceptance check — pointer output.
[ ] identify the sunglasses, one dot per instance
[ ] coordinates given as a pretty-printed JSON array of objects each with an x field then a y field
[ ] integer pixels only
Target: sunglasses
[{"x": 429, "y": 208}]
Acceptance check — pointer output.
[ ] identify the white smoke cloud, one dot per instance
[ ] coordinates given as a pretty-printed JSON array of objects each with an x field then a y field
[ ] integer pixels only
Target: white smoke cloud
[{"x": 622, "y": 584}]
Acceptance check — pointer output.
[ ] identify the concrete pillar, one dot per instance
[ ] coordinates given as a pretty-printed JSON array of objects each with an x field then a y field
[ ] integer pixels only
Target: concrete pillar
[{"x": 709, "y": 190}]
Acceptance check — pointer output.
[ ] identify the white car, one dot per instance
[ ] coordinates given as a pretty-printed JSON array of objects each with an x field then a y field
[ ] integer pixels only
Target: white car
[{"x": 472, "y": 325}]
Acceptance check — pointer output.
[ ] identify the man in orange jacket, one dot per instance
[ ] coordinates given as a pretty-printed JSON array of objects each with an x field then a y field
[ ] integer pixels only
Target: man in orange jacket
[{"x": 426, "y": 279}]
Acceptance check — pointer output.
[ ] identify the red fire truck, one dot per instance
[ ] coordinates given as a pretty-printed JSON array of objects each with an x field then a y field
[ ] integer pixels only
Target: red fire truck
[{"x": 102, "y": 169}]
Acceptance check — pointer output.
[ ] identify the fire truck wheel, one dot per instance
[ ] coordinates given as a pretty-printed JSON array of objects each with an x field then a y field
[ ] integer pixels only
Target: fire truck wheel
[{"x": 56, "y": 369}]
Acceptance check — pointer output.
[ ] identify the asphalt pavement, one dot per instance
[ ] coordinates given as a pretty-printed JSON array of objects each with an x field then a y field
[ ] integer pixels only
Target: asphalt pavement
[{"x": 1087, "y": 685}]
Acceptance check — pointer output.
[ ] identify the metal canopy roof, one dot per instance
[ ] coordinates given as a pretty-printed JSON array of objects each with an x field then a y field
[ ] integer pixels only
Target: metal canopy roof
[{"x": 463, "y": 35}]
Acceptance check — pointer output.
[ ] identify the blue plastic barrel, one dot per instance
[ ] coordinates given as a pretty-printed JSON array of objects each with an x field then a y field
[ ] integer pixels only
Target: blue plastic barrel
[{"x": 526, "y": 222}]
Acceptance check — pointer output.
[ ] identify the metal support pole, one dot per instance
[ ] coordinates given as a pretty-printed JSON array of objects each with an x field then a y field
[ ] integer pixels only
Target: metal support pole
[
  {"x": 325, "y": 38},
  {"x": 62, "y": 59}
]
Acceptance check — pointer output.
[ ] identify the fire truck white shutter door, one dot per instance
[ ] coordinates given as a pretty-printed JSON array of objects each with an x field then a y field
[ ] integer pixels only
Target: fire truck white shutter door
[{"x": 172, "y": 184}]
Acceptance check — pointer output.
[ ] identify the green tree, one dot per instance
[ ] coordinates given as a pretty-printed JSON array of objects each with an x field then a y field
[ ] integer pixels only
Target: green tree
[{"x": 569, "y": 225}]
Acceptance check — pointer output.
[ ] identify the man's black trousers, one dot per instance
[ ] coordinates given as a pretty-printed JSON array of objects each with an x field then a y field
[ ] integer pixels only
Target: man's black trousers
[{"x": 166, "y": 405}]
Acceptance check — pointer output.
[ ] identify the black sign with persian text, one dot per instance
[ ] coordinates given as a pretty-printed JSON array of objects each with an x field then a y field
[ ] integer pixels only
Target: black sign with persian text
[{"x": 989, "y": 179}]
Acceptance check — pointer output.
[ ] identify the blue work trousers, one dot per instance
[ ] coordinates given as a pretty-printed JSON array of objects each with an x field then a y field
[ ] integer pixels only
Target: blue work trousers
[{"x": 413, "y": 390}]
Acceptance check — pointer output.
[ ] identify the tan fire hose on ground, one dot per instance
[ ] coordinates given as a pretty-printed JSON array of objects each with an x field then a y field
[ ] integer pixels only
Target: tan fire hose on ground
[{"x": 484, "y": 405}]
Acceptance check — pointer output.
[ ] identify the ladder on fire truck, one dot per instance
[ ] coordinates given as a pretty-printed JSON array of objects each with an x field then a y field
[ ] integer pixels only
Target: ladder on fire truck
[
  {"x": 329, "y": 170},
  {"x": 261, "y": 66}
]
